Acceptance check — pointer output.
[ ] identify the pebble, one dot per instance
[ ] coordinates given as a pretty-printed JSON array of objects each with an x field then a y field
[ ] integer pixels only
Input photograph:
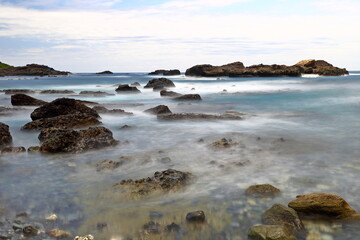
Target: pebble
[{"x": 52, "y": 217}]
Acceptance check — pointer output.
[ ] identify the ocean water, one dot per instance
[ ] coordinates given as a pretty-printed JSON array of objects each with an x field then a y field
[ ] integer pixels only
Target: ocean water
[{"x": 299, "y": 134}]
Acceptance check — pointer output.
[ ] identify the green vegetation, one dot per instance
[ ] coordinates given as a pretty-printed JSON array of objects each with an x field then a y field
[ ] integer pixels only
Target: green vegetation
[{"x": 4, "y": 65}]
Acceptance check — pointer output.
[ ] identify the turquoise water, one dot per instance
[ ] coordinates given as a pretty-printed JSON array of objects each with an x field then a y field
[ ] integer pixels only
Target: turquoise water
[{"x": 317, "y": 116}]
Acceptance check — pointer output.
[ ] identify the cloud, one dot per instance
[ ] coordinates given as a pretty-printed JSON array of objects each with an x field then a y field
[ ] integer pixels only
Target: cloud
[
  {"x": 62, "y": 4},
  {"x": 199, "y": 4}
]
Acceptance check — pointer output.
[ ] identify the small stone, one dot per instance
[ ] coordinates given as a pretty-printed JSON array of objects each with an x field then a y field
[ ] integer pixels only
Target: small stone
[
  {"x": 173, "y": 227},
  {"x": 52, "y": 217},
  {"x": 87, "y": 237},
  {"x": 262, "y": 190},
  {"x": 33, "y": 149},
  {"x": 30, "y": 231},
  {"x": 58, "y": 233},
  {"x": 152, "y": 228},
  {"x": 196, "y": 216}
]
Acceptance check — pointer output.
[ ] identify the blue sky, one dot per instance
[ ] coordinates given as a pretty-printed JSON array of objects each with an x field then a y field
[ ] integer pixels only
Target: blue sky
[{"x": 143, "y": 35}]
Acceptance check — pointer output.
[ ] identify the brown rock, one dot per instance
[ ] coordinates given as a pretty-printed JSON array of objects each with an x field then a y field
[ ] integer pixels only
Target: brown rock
[
  {"x": 12, "y": 150},
  {"x": 58, "y": 233},
  {"x": 161, "y": 109},
  {"x": 160, "y": 82},
  {"x": 16, "y": 91},
  {"x": 57, "y": 92},
  {"x": 189, "y": 97},
  {"x": 207, "y": 70},
  {"x": 5, "y": 136},
  {"x": 320, "y": 67},
  {"x": 25, "y": 100},
  {"x": 270, "y": 232},
  {"x": 165, "y": 72},
  {"x": 165, "y": 93},
  {"x": 262, "y": 190}
]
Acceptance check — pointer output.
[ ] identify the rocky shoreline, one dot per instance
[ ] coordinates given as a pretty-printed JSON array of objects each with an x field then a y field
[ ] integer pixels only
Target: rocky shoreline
[{"x": 31, "y": 70}]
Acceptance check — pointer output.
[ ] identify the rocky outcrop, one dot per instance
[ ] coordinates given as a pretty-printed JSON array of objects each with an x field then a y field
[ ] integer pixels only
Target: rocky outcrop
[
  {"x": 16, "y": 91},
  {"x": 168, "y": 180},
  {"x": 237, "y": 69},
  {"x": 102, "y": 109},
  {"x": 188, "y": 97},
  {"x": 262, "y": 190},
  {"x": 165, "y": 93},
  {"x": 71, "y": 141},
  {"x": 5, "y": 136},
  {"x": 95, "y": 93},
  {"x": 57, "y": 92},
  {"x": 31, "y": 70},
  {"x": 325, "y": 205},
  {"x": 77, "y": 120},
  {"x": 105, "y": 72},
  {"x": 160, "y": 82},
  {"x": 125, "y": 88},
  {"x": 198, "y": 116},
  {"x": 166, "y": 72},
  {"x": 270, "y": 232},
  {"x": 161, "y": 109},
  {"x": 62, "y": 106},
  {"x": 25, "y": 100}
]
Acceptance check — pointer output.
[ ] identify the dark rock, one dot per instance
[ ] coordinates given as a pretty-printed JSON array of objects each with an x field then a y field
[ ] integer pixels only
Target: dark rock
[
  {"x": 207, "y": 70},
  {"x": 166, "y": 72},
  {"x": 323, "y": 205},
  {"x": 165, "y": 93},
  {"x": 77, "y": 120},
  {"x": 31, "y": 70},
  {"x": 198, "y": 116},
  {"x": 274, "y": 70},
  {"x": 161, "y": 109},
  {"x": 30, "y": 231},
  {"x": 262, "y": 190},
  {"x": 125, "y": 88},
  {"x": 320, "y": 67},
  {"x": 279, "y": 214},
  {"x": 12, "y": 150},
  {"x": 155, "y": 215},
  {"x": 62, "y": 106},
  {"x": 107, "y": 165},
  {"x": 57, "y": 92},
  {"x": 101, "y": 225},
  {"x": 101, "y": 109},
  {"x": 160, "y": 82},
  {"x": 16, "y": 91},
  {"x": 5, "y": 136},
  {"x": 158, "y": 88},
  {"x": 188, "y": 97},
  {"x": 25, "y": 100},
  {"x": 173, "y": 227},
  {"x": 61, "y": 140},
  {"x": 105, "y": 72},
  {"x": 95, "y": 93},
  {"x": 270, "y": 232},
  {"x": 152, "y": 228},
  {"x": 125, "y": 127},
  {"x": 224, "y": 143},
  {"x": 136, "y": 84},
  {"x": 196, "y": 216}
]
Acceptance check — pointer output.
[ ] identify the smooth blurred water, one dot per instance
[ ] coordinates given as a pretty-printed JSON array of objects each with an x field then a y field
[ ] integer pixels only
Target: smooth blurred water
[{"x": 317, "y": 117}]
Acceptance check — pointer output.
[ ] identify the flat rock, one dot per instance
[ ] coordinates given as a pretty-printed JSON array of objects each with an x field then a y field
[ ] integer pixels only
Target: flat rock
[
  {"x": 262, "y": 190},
  {"x": 102, "y": 109},
  {"x": 161, "y": 109},
  {"x": 125, "y": 88},
  {"x": 172, "y": 72},
  {"x": 21, "y": 99},
  {"x": 270, "y": 232},
  {"x": 189, "y": 97},
  {"x": 15, "y": 91},
  {"x": 105, "y": 72},
  {"x": 5, "y": 136},
  {"x": 160, "y": 82},
  {"x": 198, "y": 116},
  {"x": 57, "y": 92},
  {"x": 166, "y": 93}
]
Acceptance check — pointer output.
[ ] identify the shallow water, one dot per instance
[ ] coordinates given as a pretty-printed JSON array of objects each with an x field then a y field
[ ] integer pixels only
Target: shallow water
[{"x": 317, "y": 118}]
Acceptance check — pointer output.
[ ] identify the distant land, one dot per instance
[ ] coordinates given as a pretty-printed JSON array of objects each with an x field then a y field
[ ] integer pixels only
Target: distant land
[{"x": 28, "y": 70}]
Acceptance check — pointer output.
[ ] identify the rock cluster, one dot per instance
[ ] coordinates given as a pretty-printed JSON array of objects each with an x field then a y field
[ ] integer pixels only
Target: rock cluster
[{"x": 172, "y": 72}]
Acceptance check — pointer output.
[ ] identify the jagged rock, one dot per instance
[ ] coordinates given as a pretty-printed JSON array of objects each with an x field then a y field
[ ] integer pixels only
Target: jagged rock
[
  {"x": 196, "y": 216},
  {"x": 77, "y": 120},
  {"x": 95, "y": 93},
  {"x": 101, "y": 109},
  {"x": 320, "y": 67},
  {"x": 62, "y": 106},
  {"x": 5, "y": 136},
  {"x": 31, "y": 70},
  {"x": 167, "y": 180},
  {"x": 160, "y": 82},
  {"x": 107, "y": 165},
  {"x": 166, "y": 72},
  {"x": 279, "y": 214},
  {"x": 125, "y": 88},
  {"x": 57, "y": 92},
  {"x": 270, "y": 232},
  {"x": 161, "y": 109},
  {"x": 198, "y": 116},
  {"x": 63, "y": 140},
  {"x": 25, "y": 100},
  {"x": 12, "y": 150},
  {"x": 105, "y": 72},
  {"x": 165, "y": 93},
  {"x": 207, "y": 70},
  {"x": 262, "y": 190},
  {"x": 189, "y": 97},
  {"x": 15, "y": 91},
  {"x": 322, "y": 204}
]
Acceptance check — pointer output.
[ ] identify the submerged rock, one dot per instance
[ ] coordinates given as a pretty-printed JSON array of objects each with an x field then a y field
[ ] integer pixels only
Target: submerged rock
[
  {"x": 198, "y": 116},
  {"x": 62, "y": 106},
  {"x": 57, "y": 92},
  {"x": 172, "y": 72},
  {"x": 196, "y": 216},
  {"x": 5, "y": 136},
  {"x": 322, "y": 204},
  {"x": 161, "y": 109},
  {"x": 25, "y": 100},
  {"x": 78, "y": 120},
  {"x": 71, "y": 141},
  {"x": 12, "y": 150},
  {"x": 101, "y": 109},
  {"x": 165, "y": 93},
  {"x": 224, "y": 143},
  {"x": 137, "y": 84},
  {"x": 107, "y": 165},
  {"x": 95, "y": 93},
  {"x": 270, "y": 232},
  {"x": 105, "y": 72},
  {"x": 125, "y": 88},
  {"x": 262, "y": 190},
  {"x": 16, "y": 91},
  {"x": 189, "y": 97},
  {"x": 160, "y": 82}
]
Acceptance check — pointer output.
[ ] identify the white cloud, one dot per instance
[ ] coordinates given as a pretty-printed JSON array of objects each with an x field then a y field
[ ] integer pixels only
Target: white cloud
[{"x": 193, "y": 5}]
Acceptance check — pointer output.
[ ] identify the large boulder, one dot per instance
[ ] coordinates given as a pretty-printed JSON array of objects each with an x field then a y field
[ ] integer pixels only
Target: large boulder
[
  {"x": 172, "y": 72},
  {"x": 25, "y": 100},
  {"x": 71, "y": 141},
  {"x": 62, "y": 106},
  {"x": 31, "y": 70},
  {"x": 320, "y": 67},
  {"x": 207, "y": 70},
  {"x": 270, "y": 232},
  {"x": 77, "y": 120},
  {"x": 125, "y": 88},
  {"x": 160, "y": 83},
  {"x": 323, "y": 205},
  {"x": 161, "y": 109},
  {"x": 5, "y": 136},
  {"x": 262, "y": 190}
]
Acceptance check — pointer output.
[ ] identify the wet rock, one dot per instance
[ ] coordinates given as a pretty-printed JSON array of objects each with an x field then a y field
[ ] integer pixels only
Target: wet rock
[
  {"x": 189, "y": 97},
  {"x": 52, "y": 217},
  {"x": 71, "y": 141},
  {"x": 270, "y": 232},
  {"x": 168, "y": 180},
  {"x": 152, "y": 228},
  {"x": 207, "y": 70},
  {"x": 322, "y": 204},
  {"x": 62, "y": 106},
  {"x": 77, "y": 120},
  {"x": 165, "y": 93},
  {"x": 87, "y": 237},
  {"x": 95, "y": 93},
  {"x": 101, "y": 109},
  {"x": 136, "y": 84},
  {"x": 5, "y": 136},
  {"x": 107, "y": 165},
  {"x": 224, "y": 143},
  {"x": 58, "y": 233},
  {"x": 198, "y": 116},
  {"x": 125, "y": 88},
  {"x": 262, "y": 190},
  {"x": 160, "y": 82},
  {"x": 57, "y": 92},
  {"x": 196, "y": 216},
  {"x": 166, "y": 72},
  {"x": 173, "y": 227},
  {"x": 105, "y": 72},
  {"x": 320, "y": 67},
  {"x": 279, "y": 214},
  {"x": 25, "y": 100},
  {"x": 16, "y": 91},
  {"x": 12, "y": 150},
  {"x": 161, "y": 109}
]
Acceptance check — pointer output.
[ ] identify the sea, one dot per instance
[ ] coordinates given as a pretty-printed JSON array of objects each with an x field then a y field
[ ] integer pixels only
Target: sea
[{"x": 299, "y": 134}]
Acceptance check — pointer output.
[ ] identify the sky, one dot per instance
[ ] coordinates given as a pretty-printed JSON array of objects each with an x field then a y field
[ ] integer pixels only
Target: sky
[{"x": 144, "y": 35}]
